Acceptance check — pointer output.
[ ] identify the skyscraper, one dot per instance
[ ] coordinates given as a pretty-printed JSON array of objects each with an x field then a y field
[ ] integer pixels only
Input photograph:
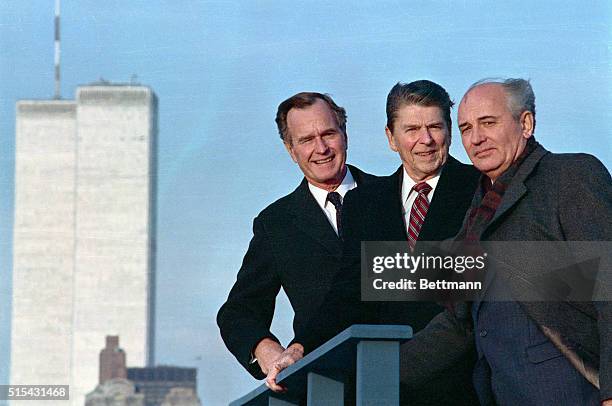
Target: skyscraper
[{"x": 84, "y": 234}]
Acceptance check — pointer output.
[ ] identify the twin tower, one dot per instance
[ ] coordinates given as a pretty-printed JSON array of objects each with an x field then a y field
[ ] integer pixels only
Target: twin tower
[{"x": 84, "y": 234}]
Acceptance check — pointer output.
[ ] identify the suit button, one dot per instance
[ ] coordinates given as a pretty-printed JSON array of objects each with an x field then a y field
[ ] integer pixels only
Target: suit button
[{"x": 483, "y": 333}]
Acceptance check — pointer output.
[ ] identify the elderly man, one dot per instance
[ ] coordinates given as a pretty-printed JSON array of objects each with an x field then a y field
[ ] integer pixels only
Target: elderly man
[
  {"x": 424, "y": 200},
  {"x": 296, "y": 242},
  {"x": 533, "y": 352}
]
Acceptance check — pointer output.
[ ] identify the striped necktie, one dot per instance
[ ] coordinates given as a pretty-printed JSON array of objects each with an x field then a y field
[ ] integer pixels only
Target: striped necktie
[{"x": 418, "y": 212}]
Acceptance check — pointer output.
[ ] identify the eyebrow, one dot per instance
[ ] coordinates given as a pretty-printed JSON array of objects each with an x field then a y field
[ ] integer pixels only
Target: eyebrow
[
  {"x": 311, "y": 134},
  {"x": 489, "y": 117},
  {"x": 413, "y": 125},
  {"x": 330, "y": 130}
]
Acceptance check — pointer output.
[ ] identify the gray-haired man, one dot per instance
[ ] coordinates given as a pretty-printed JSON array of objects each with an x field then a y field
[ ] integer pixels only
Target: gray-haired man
[{"x": 533, "y": 352}]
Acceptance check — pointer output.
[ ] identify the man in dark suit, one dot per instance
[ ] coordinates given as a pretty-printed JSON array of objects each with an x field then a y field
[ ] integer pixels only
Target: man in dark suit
[
  {"x": 419, "y": 130},
  {"x": 296, "y": 243},
  {"x": 535, "y": 347},
  {"x": 534, "y": 351}
]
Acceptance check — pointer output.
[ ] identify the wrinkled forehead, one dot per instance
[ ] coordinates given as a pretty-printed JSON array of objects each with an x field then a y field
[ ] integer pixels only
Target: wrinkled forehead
[
  {"x": 316, "y": 118},
  {"x": 318, "y": 111},
  {"x": 410, "y": 112}
]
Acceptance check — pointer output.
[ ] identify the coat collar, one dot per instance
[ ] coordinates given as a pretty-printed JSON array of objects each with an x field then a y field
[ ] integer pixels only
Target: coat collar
[
  {"x": 517, "y": 187},
  {"x": 516, "y": 190},
  {"x": 449, "y": 201},
  {"x": 308, "y": 217},
  {"x": 394, "y": 207}
]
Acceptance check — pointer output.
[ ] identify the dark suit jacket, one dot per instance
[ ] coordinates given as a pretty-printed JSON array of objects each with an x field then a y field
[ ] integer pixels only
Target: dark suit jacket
[
  {"x": 552, "y": 197},
  {"x": 374, "y": 213},
  {"x": 293, "y": 247}
]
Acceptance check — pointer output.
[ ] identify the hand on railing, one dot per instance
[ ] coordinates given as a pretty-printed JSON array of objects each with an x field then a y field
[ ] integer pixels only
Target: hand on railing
[
  {"x": 291, "y": 355},
  {"x": 266, "y": 352},
  {"x": 365, "y": 356}
]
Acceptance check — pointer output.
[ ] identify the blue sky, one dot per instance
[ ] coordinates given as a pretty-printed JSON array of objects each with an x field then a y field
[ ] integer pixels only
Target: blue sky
[{"x": 220, "y": 68}]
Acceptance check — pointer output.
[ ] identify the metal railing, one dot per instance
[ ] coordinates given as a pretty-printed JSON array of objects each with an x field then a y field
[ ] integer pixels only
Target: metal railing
[{"x": 361, "y": 363}]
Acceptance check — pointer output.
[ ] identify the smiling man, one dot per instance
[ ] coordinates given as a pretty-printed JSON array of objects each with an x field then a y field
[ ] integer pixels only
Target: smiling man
[
  {"x": 317, "y": 144},
  {"x": 296, "y": 241},
  {"x": 421, "y": 136}
]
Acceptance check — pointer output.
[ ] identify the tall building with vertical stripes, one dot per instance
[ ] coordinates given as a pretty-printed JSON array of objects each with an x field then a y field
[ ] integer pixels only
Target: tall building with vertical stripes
[{"x": 84, "y": 234}]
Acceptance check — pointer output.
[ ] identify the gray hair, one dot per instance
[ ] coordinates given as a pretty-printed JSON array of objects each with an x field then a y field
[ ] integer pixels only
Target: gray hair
[{"x": 520, "y": 96}]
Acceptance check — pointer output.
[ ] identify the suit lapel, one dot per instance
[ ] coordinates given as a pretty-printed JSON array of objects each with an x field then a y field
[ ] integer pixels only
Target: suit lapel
[
  {"x": 517, "y": 187},
  {"x": 310, "y": 219},
  {"x": 448, "y": 202},
  {"x": 359, "y": 176},
  {"x": 516, "y": 190},
  {"x": 394, "y": 218}
]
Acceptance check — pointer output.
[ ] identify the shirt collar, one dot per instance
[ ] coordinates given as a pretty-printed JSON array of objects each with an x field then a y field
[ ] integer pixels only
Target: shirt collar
[
  {"x": 408, "y": 184},
  {"x": 320, "y": 195}
]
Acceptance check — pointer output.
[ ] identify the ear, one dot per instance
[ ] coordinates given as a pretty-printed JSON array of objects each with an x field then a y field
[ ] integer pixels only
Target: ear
[
  {"x": 390, "y": 139},
  {"x": 290, "y": 151},
  {"x": 527, "y": 124}
]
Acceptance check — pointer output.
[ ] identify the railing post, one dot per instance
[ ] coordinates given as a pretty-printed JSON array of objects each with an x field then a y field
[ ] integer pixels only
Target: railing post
[
  {"x": 324, "y": 391},
  {"x": 377, "y": 373}
]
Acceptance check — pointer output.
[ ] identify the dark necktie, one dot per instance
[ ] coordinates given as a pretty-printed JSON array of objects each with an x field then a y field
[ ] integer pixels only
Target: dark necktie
[
  {"x": 335, "y": 199},
  {"x": 418, "y": 212}
]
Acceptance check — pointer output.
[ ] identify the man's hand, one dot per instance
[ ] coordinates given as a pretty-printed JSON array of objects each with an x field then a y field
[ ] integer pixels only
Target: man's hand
[
  {"x": 607, "y": 402},
  {"x": 291, "y": 355},
  {"x": 266, "y": 352}
]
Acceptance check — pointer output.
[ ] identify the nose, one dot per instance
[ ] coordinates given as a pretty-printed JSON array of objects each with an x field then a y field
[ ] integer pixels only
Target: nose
[
  {"x": 320, "y": 145},
  {"x": 425, "y": 136},
  {"x": 477, "y": 136}
]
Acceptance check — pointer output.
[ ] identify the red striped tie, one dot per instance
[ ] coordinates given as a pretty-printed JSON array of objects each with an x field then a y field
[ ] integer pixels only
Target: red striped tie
[{"x": 418, "y": 212}]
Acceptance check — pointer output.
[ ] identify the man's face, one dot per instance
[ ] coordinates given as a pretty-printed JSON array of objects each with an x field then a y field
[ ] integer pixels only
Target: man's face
[
  {"x": 421, "y": 137},
  {"x": 491, "y": 136},
  {"x": 317, "y": 144}
]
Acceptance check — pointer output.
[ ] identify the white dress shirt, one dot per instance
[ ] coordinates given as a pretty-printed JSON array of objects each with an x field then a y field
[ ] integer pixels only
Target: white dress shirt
[
  {"x": 328, "y": 208},
  {"x": 409, "y": 195}
]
